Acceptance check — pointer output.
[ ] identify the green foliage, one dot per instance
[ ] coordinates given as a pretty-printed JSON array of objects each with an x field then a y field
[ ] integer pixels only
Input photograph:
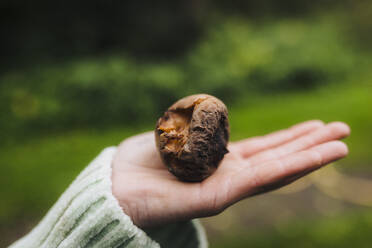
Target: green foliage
[
  {"x": 287, "y": 55},
  {"x": 235, "y": 59},
  {"x": 45, "y": 31}
]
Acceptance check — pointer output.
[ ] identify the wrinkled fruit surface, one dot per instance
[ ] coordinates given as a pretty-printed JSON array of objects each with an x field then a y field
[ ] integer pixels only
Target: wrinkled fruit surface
[{"x": 192, "y": 136}]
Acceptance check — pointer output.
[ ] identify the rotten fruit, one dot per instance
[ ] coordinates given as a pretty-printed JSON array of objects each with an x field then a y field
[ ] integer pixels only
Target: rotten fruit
[{"x": 192, "y": 136}]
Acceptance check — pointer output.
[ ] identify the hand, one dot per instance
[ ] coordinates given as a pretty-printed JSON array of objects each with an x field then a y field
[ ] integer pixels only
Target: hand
[{"x": 151, "y": 195}]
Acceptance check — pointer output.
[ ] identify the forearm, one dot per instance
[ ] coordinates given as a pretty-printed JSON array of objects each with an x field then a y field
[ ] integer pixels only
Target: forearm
[{"x": 88, "y": 215}]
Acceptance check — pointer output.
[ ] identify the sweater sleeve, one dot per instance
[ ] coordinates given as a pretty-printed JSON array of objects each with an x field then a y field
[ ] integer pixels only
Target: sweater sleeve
[{"x": 88, "y": 215}]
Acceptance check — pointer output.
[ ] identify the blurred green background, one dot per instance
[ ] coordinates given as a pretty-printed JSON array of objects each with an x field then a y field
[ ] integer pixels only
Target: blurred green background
[{"x": 76, "y": 77}]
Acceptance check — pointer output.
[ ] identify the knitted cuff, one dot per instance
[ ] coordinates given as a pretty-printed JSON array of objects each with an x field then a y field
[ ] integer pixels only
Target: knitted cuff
[{"x": 88, "y": 215}]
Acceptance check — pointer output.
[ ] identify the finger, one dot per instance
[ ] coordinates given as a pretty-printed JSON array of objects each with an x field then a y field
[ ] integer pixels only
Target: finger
[
  {"x": 251, "y": 146},
  {"x": 274, "y": 174},
  {"x": 332, "y": 131},
  {"x": 284, "y": 182}
]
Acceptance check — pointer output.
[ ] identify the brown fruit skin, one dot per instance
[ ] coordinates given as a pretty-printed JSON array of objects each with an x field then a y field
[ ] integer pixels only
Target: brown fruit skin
[{"x": 201, "y": 146}]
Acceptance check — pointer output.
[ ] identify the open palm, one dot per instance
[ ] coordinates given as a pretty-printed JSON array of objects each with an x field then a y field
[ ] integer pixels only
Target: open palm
[{"x": 151, "y": 195}]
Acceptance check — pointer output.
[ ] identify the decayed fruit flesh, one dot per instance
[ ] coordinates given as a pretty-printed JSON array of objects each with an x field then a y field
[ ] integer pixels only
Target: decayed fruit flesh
[{"x": 192, "y": 136}]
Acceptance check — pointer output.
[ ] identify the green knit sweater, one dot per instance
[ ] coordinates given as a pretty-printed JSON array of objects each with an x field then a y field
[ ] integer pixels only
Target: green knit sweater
[{"x": 88, "y": 215}]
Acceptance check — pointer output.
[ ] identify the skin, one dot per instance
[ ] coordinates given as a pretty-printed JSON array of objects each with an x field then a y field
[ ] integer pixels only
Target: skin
[{"x": 152, "y": 196}]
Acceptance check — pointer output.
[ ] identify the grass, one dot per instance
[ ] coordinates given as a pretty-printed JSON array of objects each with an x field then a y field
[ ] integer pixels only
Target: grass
[{"x": 347, "y": 102}]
